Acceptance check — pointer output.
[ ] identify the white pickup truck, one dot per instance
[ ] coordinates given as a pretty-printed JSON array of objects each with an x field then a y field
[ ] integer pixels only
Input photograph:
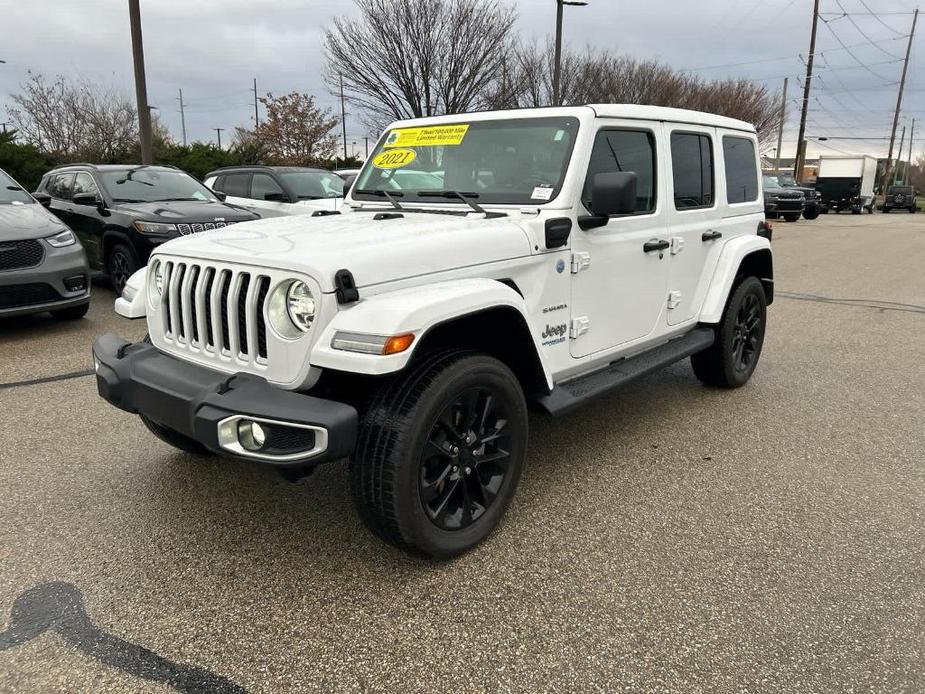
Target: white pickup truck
[{"x": 483, "y": 263}]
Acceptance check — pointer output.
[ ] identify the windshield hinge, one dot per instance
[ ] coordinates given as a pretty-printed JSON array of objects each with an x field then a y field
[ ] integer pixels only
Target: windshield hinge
[{"x": 580, "y": 261}]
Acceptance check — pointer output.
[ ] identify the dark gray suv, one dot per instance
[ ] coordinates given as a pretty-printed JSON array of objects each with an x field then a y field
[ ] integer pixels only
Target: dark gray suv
[{"x": 43, "y": 267}]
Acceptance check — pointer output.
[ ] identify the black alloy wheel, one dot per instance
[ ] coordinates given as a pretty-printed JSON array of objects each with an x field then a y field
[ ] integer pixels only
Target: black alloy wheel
[
  {"x": 120, "y": 266},
  {"x": 440, "y": 451},
  {"x": 747, "y": 333},
  {"x": 466, "y": 460}
]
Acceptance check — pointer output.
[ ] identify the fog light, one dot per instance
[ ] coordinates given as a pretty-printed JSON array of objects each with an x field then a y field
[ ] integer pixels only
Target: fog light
[
  {"x": 77, "y": 283},
  {"x": 251, "y": 435}
]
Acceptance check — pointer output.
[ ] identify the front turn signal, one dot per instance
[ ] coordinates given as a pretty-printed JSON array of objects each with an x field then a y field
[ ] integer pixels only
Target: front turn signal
[{"x": 398, "y": 343}]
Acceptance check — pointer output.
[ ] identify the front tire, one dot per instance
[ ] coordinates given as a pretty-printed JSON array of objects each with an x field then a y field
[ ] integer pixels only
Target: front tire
[
  {"x": 732, "y": 358},
  {"x": 120, "y": 265},
  {"x": 440, "y": 453},
  {"x": 792, "y": 217},
  {"x": 810, "y": 215}
]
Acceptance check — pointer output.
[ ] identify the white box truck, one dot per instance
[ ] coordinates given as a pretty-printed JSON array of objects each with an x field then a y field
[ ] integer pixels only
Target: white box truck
[{"x": 847, "y": 183}]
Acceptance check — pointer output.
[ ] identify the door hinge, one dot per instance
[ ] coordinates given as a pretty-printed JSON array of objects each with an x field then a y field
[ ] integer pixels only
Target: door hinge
[
  {"x": 579, "y": 327},
  {"x": 677, "y": 244},
  {"x": 674, "y": 299},
  {"x": 580, "y": 261}
]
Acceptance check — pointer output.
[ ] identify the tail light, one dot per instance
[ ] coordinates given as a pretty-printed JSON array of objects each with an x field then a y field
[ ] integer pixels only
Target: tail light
[{"x": 765, "y": 230}]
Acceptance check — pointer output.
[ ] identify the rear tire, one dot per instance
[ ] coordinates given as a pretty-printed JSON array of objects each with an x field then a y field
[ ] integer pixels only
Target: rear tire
[
  {"x": 71, "y": 312},
  {"x": 886, "y": 210},
  {"x": 440, "y": 452},
  {"x": 810, "y": 215},
  {"x": 792, "y": 217},
  {"x": 174, "y": 438},
  {"x": 731, "y": 360}
]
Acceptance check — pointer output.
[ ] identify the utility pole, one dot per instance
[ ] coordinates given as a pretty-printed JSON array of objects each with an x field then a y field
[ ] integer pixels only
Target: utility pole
[
  {"x": 899, "y": 102},
  {"x": 218, "y": 132},
  {"x": 343, "y": 117},
  {"x": 182, "y": 118},
  {"x": 780, "y": 129},
  {"x": 256, "y": 114},
  {"x": 899, "y": 157},
  {"x": 141, "y": 90},
  {"x": 909, "y": 165},
  {"x": 801, "y": 145}
]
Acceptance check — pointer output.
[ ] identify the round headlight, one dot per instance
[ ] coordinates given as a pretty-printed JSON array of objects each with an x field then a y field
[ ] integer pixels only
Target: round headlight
[
  {"x": 158, "y": 277},
  {"x": 154, "y": 281},
  {"x": 291, "y": 309},
  {"x": 301, "y": 305}
]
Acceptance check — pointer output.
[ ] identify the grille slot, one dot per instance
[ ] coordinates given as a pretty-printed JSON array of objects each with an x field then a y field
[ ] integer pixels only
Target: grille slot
[
  {"x": 17, "y": 295},
  {"x": 21, "y": 254}
]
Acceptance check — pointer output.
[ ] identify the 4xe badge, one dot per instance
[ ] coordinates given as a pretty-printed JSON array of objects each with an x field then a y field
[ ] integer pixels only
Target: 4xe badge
[{"x": 554, "y": 334}]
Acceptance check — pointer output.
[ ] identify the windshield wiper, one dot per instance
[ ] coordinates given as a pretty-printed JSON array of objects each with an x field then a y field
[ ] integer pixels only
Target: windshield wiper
[
  {"x": 384, "y": 194},
  {"x": 465, "y": 197},
  {"x": 128, "y": 176},
  {"x": 178, "y": 200}
]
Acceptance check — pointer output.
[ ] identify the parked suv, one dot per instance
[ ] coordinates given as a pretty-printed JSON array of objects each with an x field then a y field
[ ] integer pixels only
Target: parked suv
[
  {"x": 558, "y": 254},
  {"x": 780, "y": 201},
  {"x": 900, "y": 198},
  {"x": 121, "y": 212},
  {"x": 275, "y": 191},
  {"x": 813, "y": 206},
  {"x": 42, "y": 265}
]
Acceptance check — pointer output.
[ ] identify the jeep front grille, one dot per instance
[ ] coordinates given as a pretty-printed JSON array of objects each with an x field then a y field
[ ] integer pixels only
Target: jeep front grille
[
  {"x": 216, "y": 311},
  {"x": 187, "y": 229}
]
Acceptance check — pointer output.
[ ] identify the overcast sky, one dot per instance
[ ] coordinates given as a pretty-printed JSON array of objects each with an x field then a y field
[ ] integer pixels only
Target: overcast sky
[{"x": 213, "y": 50}]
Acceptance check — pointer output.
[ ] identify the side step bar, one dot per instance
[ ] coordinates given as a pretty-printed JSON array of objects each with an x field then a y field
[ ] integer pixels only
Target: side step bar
[{"x": 571, "y": 394}]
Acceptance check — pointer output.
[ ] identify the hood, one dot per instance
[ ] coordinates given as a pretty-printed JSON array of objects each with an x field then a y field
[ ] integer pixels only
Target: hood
[
  {"x": 33, "y": 221},
  {"x": 180, "y": 211},
  {"x": 374, "y": 251}
]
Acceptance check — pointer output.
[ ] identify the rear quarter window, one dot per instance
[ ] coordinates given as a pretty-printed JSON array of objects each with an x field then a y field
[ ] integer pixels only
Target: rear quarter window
[{"x": 741, "y": 169}]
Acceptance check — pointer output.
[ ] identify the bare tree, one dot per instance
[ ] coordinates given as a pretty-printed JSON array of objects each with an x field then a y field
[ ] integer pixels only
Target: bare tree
[
  {"x": 75, "y": 120},
  {"x": 420, "y": 57},
  {"x": 295, "y": 131}
]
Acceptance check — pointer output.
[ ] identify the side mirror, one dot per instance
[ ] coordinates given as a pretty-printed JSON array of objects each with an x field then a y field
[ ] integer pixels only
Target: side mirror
[
  {"x": 44, "y": 199},
  {"x": 276, "y": 197},
  {"x": 612, "y": 193},
  {"x": 221, "y": 196},
  {"x": 88, "y": 199}
]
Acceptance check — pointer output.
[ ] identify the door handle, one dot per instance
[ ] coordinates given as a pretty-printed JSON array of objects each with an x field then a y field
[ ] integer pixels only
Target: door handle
[
  {"x": 711, "y": 235},
  {"x": 655, "y": 245}
]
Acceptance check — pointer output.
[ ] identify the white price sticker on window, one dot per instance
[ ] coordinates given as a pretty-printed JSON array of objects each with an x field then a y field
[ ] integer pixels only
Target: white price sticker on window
[{"x": 543, "y": 192}]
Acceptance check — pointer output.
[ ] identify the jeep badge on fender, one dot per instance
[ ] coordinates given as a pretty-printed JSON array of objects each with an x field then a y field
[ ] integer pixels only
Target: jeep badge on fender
[{"x": 494, "y": 260}]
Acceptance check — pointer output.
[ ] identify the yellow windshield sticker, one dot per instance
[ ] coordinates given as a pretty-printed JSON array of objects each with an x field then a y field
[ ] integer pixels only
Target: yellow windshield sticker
[
  {"x": 430, "y": 136},
  {"x": 394, "y": 158}
]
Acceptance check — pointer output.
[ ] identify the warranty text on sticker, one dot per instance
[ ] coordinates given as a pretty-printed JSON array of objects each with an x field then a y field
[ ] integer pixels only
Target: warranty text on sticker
[
  {"x": 431, "y": 136},
  {"x": 394, "y": 158}
]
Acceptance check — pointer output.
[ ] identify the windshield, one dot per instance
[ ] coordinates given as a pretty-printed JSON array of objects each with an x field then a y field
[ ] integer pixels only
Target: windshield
[
  {"x": 770, "y": 182},
  {"x": 786, "y": 180},
  {"x": 140, "y": 184},
  {"x": 11, "y": 193},
  {"x": 516, "y": 161},
  {"x": 312, "y": 185}
]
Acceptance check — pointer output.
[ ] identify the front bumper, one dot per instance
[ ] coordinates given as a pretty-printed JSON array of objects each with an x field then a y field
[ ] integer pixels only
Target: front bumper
[
  {"x": 42, "y": 288},
  {"x": 783, "y": 206},
  {"x": 196, "y": 401}
]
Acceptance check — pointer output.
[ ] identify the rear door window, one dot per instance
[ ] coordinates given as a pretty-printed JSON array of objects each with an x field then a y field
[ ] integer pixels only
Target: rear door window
[
  {"x": 692, "y": 170},
  {"x": 237, "y": 185}
]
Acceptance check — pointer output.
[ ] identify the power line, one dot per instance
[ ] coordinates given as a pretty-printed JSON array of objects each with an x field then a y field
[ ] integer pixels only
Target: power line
[
  {"x": 851, "y": 53},
  {"x": 862, "y": 33},
  {"x": 878, "y": 16}
]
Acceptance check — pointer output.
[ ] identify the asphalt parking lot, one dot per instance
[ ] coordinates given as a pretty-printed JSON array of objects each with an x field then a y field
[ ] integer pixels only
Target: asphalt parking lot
[{"x": 670, "y": 538}]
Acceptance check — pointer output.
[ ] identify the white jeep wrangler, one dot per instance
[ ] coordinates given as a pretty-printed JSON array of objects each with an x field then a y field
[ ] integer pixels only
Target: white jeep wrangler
[{"x": 483, "y": 263}]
